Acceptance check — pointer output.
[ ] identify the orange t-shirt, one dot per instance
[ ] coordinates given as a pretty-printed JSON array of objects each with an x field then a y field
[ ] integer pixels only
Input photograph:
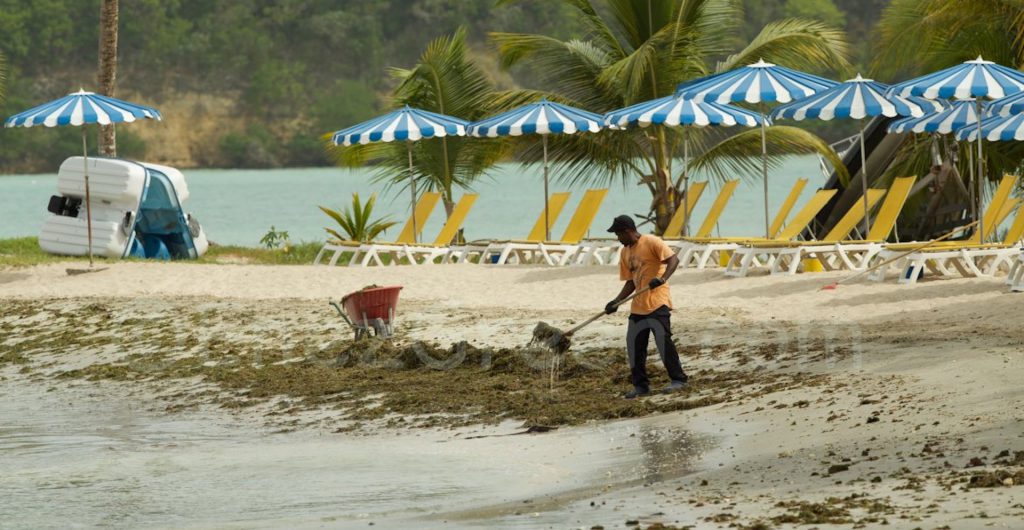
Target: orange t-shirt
[{"x": 641, "y": 263}]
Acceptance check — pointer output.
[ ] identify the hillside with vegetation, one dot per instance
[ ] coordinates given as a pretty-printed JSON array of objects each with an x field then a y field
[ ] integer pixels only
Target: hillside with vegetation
[{"x": 255, "y": 83}]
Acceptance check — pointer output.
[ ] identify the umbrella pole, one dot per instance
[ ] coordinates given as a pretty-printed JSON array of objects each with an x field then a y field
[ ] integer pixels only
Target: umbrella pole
[
  {"x": 547, "y": 220},
  {"x": 981, "y": 175},
  {"x": 412, "y": 185},
  {"x": 970, "y": 193},
  {"x": 864, "y": 180},
  {"x": 88, "y": 201},
  {"x": 686, "y": 185},
  {"x": 764, "y": 171}
]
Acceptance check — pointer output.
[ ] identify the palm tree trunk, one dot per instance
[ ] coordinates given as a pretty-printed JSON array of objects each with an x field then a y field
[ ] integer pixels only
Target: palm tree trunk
[
  {"x": 664, "y": 200},
  {"x": 108, "y": 69}
]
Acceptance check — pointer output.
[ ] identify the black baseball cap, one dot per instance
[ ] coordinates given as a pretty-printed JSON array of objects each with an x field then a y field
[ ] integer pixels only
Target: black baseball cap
[{"x": 622, "y": 222}]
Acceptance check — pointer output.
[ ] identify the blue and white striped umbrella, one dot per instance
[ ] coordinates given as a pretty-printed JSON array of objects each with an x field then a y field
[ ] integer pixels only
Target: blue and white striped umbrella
[
  {"x": 543, "y": 117},
  {"x": 406, "y": 124},
  {"x": 857, "y": 98},
  {"x": 677, "y": 111},
  {"x": 82, "y": 108},
  {"x": 1007, "y": 106},
  {"x": 995, "y": 129},
  {"x": 972, "y": 79},
  {"x": 958, "y": 114},
  {"x": 760, "y": 82}
]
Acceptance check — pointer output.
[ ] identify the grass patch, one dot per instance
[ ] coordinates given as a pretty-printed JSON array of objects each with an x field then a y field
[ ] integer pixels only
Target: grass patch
[
  {"x": 300, "y": 254},
  {"x": 25, "y": 252}
]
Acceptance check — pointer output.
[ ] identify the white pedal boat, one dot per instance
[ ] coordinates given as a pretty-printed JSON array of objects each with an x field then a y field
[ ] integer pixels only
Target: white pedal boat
[{"x": 136, "y": 212}]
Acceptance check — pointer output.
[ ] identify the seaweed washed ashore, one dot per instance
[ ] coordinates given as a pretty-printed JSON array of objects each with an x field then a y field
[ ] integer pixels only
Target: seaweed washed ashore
[{"x": 235, "y": 357}]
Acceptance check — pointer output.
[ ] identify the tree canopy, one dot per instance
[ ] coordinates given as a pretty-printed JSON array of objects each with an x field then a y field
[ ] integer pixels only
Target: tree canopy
[{"x": 290, "y": 69}]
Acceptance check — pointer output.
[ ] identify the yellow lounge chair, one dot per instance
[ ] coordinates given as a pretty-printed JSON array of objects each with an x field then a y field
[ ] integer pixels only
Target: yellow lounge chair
[
  {"x": 700, "y": 249},
  {"x": 413, "y": 252},
  {"x": 744, "y": 256},
  {"x": 605, "y": 251},
  {"x": 424, "y": 206},
  {"x": 1015, "y": 279},
  {"x": 530, "y": 251},
  {"x": 463, "y": 253},
  {"x": 785, "y": 255},
  {"x": 834, "y": 251},
  {"x": 940, "y": 256}
]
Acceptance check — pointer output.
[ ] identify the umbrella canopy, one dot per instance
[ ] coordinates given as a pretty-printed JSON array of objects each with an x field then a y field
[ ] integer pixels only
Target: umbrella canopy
[
  {"x": 82, "y": 108},
  {"x": 995, "y": 129},
  {"x": 760, "y": 82},
  {"x": 957, "y": 114},
  {"x": 972, "y": 79},
  {"x": 857, "y": 98},
  {"x": 406, "y": 124},
  {"x": 1007, "y": 106},
  {"x": 675, "y": 111},
  {"x": 543, "y": 117}
]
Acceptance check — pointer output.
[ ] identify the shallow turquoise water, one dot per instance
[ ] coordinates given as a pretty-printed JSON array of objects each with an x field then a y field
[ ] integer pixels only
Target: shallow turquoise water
[{"x": 239, "y": 206}]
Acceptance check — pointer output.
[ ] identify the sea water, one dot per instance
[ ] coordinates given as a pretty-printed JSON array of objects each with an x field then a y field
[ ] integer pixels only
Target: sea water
[
  {"x": 239, "y": 206},
  {"x": 88, "y": 457}
]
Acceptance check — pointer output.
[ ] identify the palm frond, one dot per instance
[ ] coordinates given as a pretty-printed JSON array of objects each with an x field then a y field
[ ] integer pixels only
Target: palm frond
[
  {"x": 740, "y": 155},
  {"x": 357, "y": 220},
  {"x": 801, "y": 44},
  {"x": 920, "y": 36},
  {"x": 597, "y": 29},
  {"x": 569, "y": 67}
]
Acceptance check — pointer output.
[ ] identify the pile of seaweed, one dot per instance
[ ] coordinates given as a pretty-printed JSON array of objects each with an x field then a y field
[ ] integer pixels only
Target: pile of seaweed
[{"x": 236, "y": 360}]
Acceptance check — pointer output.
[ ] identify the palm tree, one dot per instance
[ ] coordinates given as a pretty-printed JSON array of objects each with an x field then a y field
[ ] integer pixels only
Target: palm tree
[
  {"x": 3, "y": 73},
  {"x": 921, "y": 36},
  {"x": 445, "y": 81},
  {"x": 108, "y": 69},
  {"x": 639, "y": 50}
]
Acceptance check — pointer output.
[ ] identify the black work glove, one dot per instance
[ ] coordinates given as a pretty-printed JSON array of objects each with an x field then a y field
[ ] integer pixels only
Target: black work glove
[
  {"x": 611, "y": 307},
  {"x": 655, "y": 283}
]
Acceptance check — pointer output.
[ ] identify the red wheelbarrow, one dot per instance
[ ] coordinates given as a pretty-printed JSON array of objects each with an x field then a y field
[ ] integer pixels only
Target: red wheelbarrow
[{"x": 370, "y": 309}]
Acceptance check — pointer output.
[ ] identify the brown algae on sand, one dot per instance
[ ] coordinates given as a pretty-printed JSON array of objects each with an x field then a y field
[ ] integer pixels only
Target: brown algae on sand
[{"x": 285, "y": 363}]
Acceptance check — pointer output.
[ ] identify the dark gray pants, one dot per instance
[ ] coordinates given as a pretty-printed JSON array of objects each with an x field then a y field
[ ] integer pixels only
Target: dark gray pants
[{"x": 637, "y": 337}]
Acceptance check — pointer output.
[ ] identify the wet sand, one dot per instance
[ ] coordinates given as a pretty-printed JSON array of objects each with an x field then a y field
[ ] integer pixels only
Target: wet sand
[{"x": 871, "y": 403}]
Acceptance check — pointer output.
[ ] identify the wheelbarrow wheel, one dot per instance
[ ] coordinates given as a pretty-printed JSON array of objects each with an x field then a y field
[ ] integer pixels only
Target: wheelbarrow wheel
[{"x": 380, "y": 328}]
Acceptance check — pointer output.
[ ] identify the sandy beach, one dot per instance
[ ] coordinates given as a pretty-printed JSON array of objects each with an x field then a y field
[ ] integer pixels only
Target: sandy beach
[{"x": 873, "y": 404}]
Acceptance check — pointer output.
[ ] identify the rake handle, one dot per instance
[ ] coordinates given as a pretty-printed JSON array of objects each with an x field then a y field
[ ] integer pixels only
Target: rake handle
[
  {"x": 922, "y": 246},
  {"x": 602, "y": 313}
]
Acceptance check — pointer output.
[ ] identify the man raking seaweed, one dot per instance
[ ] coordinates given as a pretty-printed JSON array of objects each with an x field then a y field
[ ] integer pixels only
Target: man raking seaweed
[{"x": 646, "y": 261}]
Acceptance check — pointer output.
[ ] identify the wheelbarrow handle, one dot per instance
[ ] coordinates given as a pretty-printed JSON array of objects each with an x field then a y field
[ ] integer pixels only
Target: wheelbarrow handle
[{"x": 343, "y": 314}]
